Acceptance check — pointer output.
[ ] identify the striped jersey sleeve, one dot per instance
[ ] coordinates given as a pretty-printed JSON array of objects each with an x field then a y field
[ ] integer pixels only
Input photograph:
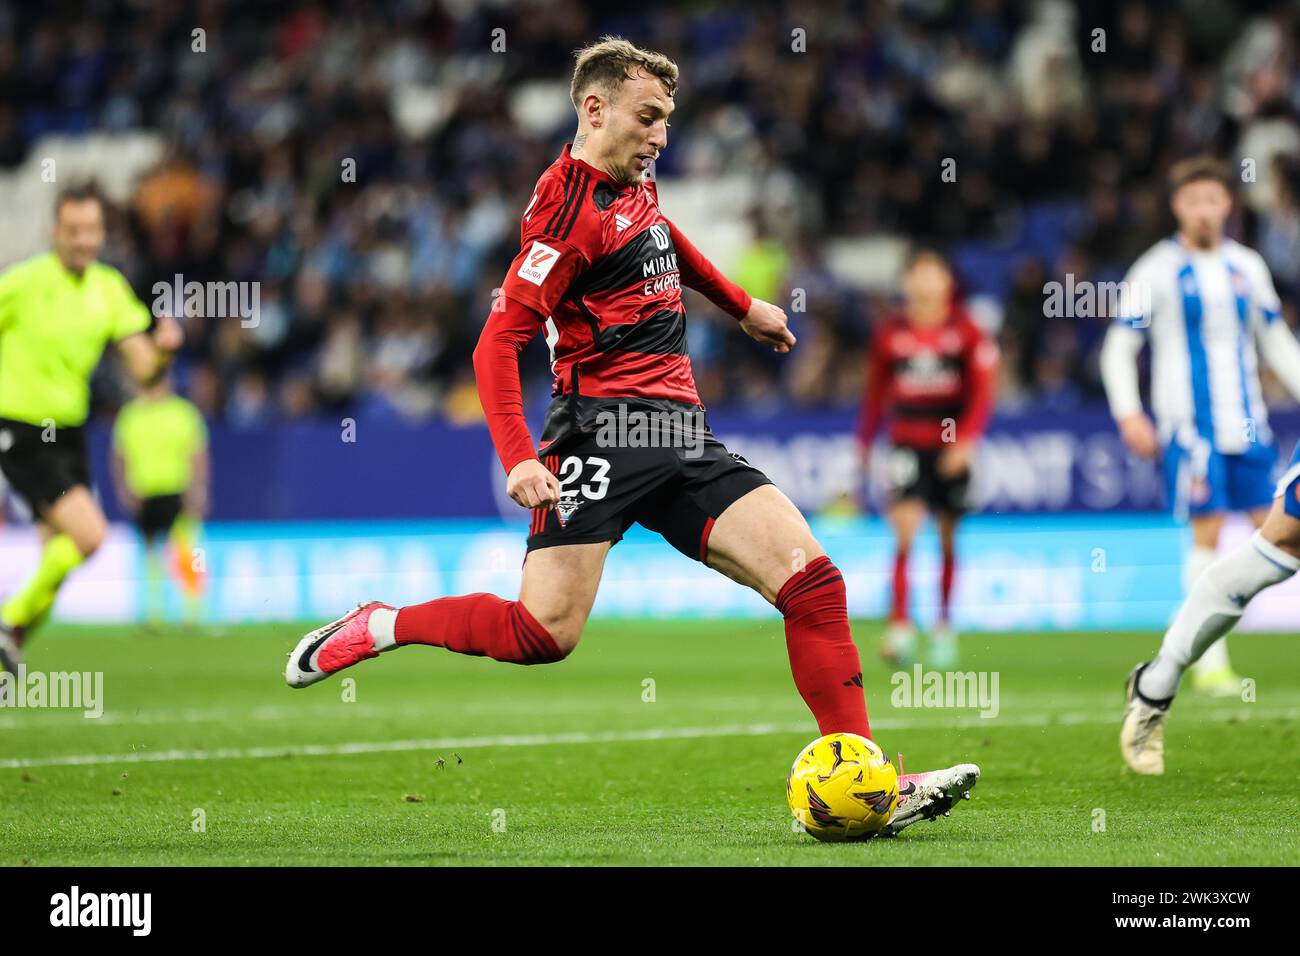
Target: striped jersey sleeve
[{"x": 553, "y": 248}]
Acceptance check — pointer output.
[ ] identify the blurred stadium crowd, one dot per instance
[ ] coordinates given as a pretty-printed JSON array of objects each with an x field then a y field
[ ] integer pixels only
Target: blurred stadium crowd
[{"x": 373, "y": 292}]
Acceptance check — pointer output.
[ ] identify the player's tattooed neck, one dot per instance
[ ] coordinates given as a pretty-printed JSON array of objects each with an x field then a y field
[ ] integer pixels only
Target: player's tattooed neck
[{"x": 579, "y": 141}]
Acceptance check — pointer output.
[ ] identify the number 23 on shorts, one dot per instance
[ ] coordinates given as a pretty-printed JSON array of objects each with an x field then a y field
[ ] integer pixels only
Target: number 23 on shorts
[{"x": 570, "y": 471}]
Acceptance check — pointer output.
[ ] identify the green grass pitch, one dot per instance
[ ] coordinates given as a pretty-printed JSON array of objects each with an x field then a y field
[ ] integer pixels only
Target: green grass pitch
[{"x": 655, "y": 743}]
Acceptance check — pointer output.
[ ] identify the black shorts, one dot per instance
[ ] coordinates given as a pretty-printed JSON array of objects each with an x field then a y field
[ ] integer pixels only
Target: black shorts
[
  {"x": 610, "y": 479},
  {"x": 914, "y": 473},
  {"x": 39, "y": 470},
  {"x": 158, "y": 514}
]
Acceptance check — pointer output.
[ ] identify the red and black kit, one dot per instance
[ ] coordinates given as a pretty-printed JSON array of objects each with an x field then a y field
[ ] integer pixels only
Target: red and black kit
[
  {"x": 936, "y": 385},
  {"x": 600, "y": 272}
]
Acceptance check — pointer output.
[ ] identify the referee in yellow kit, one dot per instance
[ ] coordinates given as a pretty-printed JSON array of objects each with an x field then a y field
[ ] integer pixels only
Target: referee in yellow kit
[
  {"x": 58, "y": 311},
  {"x": 160, "y": 467}
]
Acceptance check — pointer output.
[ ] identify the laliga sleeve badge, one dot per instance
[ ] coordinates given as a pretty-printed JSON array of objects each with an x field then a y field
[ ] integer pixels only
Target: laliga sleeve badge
[
  {"x": 538, "y": 262},
  {"x": 564, "y": 510}
]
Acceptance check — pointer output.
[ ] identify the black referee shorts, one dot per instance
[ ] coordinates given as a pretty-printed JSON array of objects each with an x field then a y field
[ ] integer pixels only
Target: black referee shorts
[
  {"x": 157, "y": 515},
  {"x": 39, "y": 470},
  {"x": 610, "y": 478}
]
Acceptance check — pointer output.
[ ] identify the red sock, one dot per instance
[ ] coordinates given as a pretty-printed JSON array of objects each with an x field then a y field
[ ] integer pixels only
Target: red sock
[
  {"x": 823, "y": 657},
  {"x": 482, "y": 625},
  {"x": 945, "y": 583},
  {"x": 899, "y": 613}
]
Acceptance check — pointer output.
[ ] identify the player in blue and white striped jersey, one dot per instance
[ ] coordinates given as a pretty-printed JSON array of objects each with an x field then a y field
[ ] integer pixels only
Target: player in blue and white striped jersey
[
  {"x": 1207, "y": 307},
  {"x": 1213, "y": 607}
]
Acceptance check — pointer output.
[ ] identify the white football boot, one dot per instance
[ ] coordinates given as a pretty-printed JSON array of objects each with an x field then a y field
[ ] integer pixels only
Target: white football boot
[
  {"x": 1142, "y": 736},
  {"x": 927, "y": 796}
]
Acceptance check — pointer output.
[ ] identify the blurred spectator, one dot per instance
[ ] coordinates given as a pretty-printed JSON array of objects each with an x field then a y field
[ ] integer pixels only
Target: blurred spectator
[{"x": 367, "y": 164}]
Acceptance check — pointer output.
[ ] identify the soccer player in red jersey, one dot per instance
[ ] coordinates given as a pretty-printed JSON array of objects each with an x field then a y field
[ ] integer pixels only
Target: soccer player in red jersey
[
  {"x": 599, "y": 273},
  {"x": 933, "y": 371}
]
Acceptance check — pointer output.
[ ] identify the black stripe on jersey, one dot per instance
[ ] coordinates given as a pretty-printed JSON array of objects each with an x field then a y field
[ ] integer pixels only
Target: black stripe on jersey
[
  {"x": 664, "y": 333},
  {"x": 590, "y": 317},
  {"x": 623, "y": 266},
  {"x": 556, "y": 217},
  {"x": 928, "y": 410},
  {"x": 579, "y": 193}
]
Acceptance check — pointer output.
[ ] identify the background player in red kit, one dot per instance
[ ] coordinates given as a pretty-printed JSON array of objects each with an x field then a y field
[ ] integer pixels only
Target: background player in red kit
[
  {"x": 599, "y": 273},
  {"x": 931, "y": 370}
]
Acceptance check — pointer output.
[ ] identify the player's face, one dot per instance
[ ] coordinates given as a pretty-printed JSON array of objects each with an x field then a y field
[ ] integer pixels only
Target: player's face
[
  {"x": 638, "y": 127},
  {"x": 927, "y": 287},
  {"x": 79, "y": 233},
  {"x": 1201, "y": 208}
]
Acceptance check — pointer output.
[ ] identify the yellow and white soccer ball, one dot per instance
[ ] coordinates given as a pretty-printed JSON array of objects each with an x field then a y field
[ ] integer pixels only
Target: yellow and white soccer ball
[{"x": 842, "y": 787}]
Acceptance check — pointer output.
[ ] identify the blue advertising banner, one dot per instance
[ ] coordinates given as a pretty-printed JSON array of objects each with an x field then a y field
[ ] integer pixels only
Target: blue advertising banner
[
  {"x": 1015, "y": 573},
  {"x": 1027, "y": 464}
]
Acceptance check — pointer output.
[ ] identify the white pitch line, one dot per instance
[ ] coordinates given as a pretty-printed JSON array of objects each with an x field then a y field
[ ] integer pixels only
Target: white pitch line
[
  {"x": 398, "y": 746},
  {"x": 586, "y": 737},
  {"x": 38, "y": 719}
]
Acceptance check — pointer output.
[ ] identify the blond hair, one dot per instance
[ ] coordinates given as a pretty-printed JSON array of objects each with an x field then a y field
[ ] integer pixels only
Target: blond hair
[{"x": 606, "y": 64}]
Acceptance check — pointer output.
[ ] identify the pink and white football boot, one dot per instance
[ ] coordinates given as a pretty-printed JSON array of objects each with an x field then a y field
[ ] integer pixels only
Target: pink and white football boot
[
  {"x": 926, "y": 796},
  {"x": 333, "y": 647}
]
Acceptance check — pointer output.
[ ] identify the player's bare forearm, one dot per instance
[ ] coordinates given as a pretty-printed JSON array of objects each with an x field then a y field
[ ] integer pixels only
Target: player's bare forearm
[
  {"x": 767, "y": 323},
  {"x": 148, "y": 354},
  {"x": 142, "y": 359},
  {"x": 1282, "y": 353},
  {"x": 1139, "y": 434}
]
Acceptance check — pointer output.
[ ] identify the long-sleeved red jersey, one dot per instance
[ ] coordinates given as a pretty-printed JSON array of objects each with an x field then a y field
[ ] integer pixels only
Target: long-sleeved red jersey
[
  {"x": 600, "y": 269},
  {"x": 924, "y": 378}
]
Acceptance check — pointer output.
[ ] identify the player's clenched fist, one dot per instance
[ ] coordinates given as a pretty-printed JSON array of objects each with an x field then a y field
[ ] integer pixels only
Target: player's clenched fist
[
  {"x": 531, "y": 485},
  {"x": 765, "y": 322}
]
